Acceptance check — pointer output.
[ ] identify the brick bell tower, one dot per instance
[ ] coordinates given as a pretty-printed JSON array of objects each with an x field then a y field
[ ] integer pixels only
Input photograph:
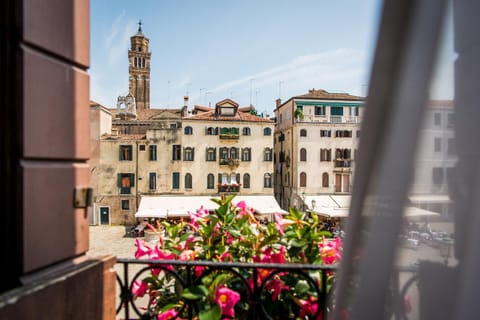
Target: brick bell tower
[{"x": 139, "y": 70}]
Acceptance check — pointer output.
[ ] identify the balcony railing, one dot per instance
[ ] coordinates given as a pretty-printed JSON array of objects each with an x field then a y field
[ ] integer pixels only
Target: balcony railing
[
  {"x": 246, "y": 277},
  {"x": 228, "y": 188},
  {"x": 232, "y": 163},
  {"x": 343, "y": 163},
  {"x": 229, "y": 136}
]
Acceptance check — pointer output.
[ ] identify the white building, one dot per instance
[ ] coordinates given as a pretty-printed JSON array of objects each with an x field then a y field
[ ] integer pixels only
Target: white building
[{"x": 316, "y": 137}]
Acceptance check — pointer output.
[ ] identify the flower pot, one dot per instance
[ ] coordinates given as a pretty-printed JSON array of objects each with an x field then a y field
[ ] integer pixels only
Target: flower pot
[{"x": 151, "y": 236}]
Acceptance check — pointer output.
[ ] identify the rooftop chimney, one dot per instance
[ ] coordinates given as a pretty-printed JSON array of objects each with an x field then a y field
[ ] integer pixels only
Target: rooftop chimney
[
  {"x": 278, "y": 102},
  {"x": 185, "y": 101}
]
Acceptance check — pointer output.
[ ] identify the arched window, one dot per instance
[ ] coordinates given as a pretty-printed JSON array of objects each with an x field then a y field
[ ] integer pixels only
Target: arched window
[
  {"x": 188, "y": 154},
  {"x": 267, "y": 180},
  {"x": 325, "y": 154},
  {"x": 223, "y": 153},
  {"x": 188, "y": 181},
  {"x": 210, "y": 181},
  {"x": 303, "y": 179},
  {"x": 246, "y": 181},
  {"x": 188, "y": 130},
  {"x": 267, "y": 132},
  {"x": 267, "y": 154},
  {"x": 303, "y": 154},
  {"x": 246, "y": 131},
  {"x": 234, "y": 153},
  {"x": 211, "y": 154},
  {"x": 303, "y": 133},
  {"x": 246, "y": 154},
  {"x": 325, "y": 180},
  {"x": 210, "y": 131}
]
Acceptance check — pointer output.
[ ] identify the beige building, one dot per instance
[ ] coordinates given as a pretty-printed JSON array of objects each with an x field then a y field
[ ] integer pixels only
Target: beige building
[
  {"x": 214, "y": 151},
  {"x": 227, "y": 149},
  {"x": 435, "y": 159},
  {"x": 316, "y": 137}
]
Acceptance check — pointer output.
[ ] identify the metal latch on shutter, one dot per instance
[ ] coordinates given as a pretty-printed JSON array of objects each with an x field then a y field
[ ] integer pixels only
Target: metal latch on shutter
[{"x": 82, "y": 197}]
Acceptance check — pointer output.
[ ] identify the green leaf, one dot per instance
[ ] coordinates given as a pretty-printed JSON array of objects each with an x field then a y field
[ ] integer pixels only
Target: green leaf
[
  {"x": 214, "y": 313},
  {"x": 194, "y": 293},
  {"x": 301, "y": 287}
]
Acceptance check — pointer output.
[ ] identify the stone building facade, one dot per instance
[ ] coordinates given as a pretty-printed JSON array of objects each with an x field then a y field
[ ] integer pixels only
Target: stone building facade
[{"x": 316, "y": 138}]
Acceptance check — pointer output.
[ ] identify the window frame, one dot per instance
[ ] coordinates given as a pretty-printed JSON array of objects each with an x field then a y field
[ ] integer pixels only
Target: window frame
[{"x": 125, "y": 152}]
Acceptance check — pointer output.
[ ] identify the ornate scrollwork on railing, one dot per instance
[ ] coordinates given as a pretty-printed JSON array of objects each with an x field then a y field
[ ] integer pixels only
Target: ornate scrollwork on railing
[{"x": 260, "y": 287}]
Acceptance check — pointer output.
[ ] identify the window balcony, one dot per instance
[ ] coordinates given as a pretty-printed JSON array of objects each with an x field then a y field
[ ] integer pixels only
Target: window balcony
[
  {"x": 229, "y": 136},
  {"x": 228, "y": 187},
  {"x": 232, "y": 163},
  {"x": 342, "y": 163}
]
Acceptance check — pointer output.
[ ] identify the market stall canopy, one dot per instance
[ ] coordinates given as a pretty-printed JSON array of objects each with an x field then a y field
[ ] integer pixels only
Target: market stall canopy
[
  {"x": 418, "y": 212},
  {"x": 331, "y": 212},
  {"x": 262, "y": 204},
  {"x": 180, "y": 206},
  {"x": 429, "y": 198},
  {"x": 338, "y": 206},
  {"x": 172, "y": 206}
]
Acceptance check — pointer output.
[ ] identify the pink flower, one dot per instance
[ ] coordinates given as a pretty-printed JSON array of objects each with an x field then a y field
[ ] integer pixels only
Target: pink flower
[
  {"x": 226, "y": 256},
  {"x": 245, "y": 210},
  {"x": 281, "y": 223},
  {"x": 308, "y": 307},
  {"x": 199, "y": 270},
  {"x": 139, "y": 288},
  {"x": 275, "y": 286},
  {"x": 167, "y": 315},
  {"x": 227, "y": 299},
  {"x": 187, "y": 255},
  {"x": 157, "y": 254},
  {"x": 199, "y": 215},
  {"x": 142, "y": 248},
  {"x": 330, "y": 250},
  {"x": 190, "y": 239},
  {"x": 229, "y": 238}
]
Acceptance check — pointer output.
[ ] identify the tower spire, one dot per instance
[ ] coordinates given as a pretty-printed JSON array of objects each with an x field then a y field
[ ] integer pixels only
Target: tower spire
[{"x": 139, "y": 25}]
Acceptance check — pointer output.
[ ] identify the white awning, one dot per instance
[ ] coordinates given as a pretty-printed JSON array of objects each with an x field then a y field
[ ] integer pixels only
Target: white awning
[
  {"x": 180, "y": 206},
  {"x": 262, "y": 204},
  {"x": 330, "y": 212},
  {"x": 337, "y": 206},
  {"x": 417, "y": 212},
  {"x": 429, "y": 198},
  {"x": 172, "y": 206},
  {"x": 343, "y": 201},
  {"x": 321, "y": 201}
]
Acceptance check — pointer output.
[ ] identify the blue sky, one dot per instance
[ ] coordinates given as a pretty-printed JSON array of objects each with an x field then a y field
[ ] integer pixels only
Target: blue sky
[{"x": 252, "y": 51}]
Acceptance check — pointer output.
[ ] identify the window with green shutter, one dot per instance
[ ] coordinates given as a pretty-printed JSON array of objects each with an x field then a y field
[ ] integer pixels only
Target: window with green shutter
[
  {"x": 125, "y": 181},
  {"x": 152, "y": 152},
  {"x": 125, "y": 152},
  {"x": 175, "y": 180}
]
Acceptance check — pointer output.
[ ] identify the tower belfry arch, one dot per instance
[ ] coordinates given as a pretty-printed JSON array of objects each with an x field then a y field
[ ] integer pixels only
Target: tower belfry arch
[{"x": 139, "y": 70}]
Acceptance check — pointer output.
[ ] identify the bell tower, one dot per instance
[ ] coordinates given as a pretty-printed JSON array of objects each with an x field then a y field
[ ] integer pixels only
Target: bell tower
[{"x": 139, "y": 70}]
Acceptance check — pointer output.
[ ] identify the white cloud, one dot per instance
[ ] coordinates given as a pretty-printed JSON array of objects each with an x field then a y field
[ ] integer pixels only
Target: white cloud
[
  {"x": 337, "y": 70},
  {"x": 118, "y": 37}
]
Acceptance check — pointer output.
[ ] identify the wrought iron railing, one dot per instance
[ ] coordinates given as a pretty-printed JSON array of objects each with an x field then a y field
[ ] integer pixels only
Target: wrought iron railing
[{"x": 257, "y": 289}]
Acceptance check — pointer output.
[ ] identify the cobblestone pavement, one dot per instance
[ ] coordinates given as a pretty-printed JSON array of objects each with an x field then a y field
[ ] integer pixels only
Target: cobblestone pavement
[{"x": 110, "y": 240}]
